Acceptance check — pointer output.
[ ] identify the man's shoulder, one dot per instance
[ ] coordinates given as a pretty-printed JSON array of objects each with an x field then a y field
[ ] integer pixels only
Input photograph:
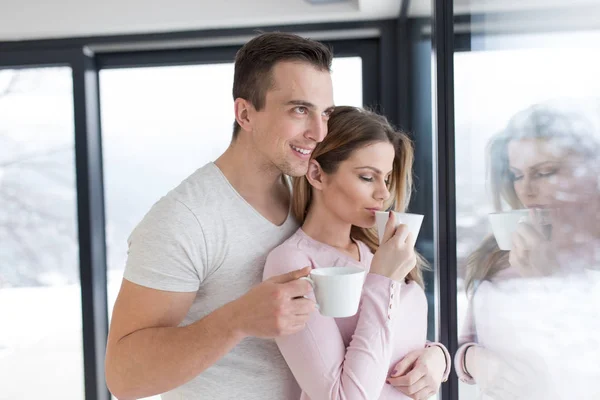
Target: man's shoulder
[
  {"x": 202, "y": 183},
  {"x": 187, "y": 202},
  {"x": 204, "y": 191}
]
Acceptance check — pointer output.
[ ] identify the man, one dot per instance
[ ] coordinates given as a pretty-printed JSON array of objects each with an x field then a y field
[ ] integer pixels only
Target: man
[{"x": 192, "y": 319}]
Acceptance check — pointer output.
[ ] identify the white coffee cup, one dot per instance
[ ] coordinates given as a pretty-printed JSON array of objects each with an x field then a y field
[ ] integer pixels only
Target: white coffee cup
[
  {"x": 413, "y": 221},
  {"x": 504, "y": 224},
  {"x": 337, "y": 290}
]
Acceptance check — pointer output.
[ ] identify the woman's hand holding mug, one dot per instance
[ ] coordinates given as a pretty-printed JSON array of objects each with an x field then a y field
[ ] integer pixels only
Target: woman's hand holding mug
[
  {"x": 532, "y": 252},
  {"x": 396, "y": 256}
]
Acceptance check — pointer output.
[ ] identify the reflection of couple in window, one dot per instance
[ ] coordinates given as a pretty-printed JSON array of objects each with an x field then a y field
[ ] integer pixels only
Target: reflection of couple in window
[{"x": 529, "y": 329}]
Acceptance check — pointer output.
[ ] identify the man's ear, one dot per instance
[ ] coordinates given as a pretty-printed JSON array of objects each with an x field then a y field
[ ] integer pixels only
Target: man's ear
[
  {"x": 315, "y": 175},
  {"x": 243, "y": 113}
]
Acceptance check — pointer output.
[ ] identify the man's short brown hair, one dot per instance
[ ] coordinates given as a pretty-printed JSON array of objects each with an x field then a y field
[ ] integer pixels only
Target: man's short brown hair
[{"x": 254, "y": 63}]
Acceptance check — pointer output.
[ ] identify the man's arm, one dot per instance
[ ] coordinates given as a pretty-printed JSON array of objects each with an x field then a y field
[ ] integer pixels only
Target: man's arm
[{"x": 148, "y": 354}]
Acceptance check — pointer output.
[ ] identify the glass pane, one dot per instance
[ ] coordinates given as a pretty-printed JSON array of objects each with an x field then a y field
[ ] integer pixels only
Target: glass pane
[
  {"x": 527, "y": 149},
  {"x": 155, "y": 135},
  {"x": 40, "y": 337}
]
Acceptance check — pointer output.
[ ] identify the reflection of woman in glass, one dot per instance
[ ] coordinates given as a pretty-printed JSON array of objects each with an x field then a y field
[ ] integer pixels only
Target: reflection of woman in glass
[
  {"x": 363, "y": 165},
  {"x": 545, "y": 160}
]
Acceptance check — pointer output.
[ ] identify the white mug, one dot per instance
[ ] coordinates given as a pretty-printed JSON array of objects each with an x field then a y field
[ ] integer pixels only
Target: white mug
[
  {"x": 413, "y": 221},
  {"x": 504, "y": 224},
  {"x": 337, "y": 290}
]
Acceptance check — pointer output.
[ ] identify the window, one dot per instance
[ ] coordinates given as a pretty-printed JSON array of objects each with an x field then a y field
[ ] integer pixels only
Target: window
[
  {"x": 530, "y": 326},
  {"x": 40, "y": 294}
]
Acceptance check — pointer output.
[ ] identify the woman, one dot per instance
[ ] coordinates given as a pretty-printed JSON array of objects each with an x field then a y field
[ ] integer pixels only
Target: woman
[
  {"x": 524, "y": 301},
  {"x": 362, "y": 166}
]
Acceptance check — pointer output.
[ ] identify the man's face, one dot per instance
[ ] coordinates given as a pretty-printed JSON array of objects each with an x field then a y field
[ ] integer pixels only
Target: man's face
[{"x": 294, "y": 117}]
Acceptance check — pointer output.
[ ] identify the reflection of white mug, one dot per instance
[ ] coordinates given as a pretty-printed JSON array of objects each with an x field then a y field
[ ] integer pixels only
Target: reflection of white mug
[
  {"x": 337, "y": 290},
  {"x": 413, "y": 221},
  {"x": 504, "y": 224}
]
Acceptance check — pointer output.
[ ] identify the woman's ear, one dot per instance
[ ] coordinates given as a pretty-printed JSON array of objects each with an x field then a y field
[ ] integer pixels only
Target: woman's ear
[{"x": 315, "y": 175}]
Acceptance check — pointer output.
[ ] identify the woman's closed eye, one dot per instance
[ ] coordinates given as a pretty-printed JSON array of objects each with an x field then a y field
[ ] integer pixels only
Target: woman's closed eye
[
  {"x": 537, "y": 174},
  {"x": 371, "y": 179},
  {"x": 545, "y": 173}
]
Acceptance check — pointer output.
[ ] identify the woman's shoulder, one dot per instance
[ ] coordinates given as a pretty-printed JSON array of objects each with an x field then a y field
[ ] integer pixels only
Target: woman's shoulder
[
  {"x": 288, "y": 256},
  {"x": 291, "y": 246}
]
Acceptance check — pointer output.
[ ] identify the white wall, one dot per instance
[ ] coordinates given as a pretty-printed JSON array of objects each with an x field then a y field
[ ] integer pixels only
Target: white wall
[
  {"x": 424, "y": 7},
  {"x": 31, "y": 19}
]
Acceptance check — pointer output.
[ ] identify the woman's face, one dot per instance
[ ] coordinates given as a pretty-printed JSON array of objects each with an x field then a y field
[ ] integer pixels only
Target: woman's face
[
  {"x": 359, "y": 187},
  {"x": 546, "y": 176}
]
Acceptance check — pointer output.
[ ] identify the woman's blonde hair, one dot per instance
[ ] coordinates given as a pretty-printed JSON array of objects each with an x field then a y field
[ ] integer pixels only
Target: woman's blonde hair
[
  {"x": 350, "y": 129},
  {"x": 569, "y": 130}
]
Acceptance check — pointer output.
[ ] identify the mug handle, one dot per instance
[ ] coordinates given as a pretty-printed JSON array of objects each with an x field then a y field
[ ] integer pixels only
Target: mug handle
[{"x": 312, "y": 283}]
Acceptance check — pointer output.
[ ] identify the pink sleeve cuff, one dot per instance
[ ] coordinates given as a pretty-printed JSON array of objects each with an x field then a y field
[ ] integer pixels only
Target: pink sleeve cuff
[
  {"x": 460, "y": 366},
  {"x": 446, "y": 355}
]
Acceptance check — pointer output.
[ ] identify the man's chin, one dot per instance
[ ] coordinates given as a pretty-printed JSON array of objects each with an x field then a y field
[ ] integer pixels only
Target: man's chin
[{"x": 296, "y": 170}]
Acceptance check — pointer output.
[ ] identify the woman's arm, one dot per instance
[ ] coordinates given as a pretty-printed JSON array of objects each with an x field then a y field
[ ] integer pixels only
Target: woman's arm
[
  {"x": 467, "y": 339},
  {"x": 317, "y": 356}
]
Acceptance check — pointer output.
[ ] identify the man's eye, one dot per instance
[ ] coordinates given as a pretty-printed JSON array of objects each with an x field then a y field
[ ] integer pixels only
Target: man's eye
[{"x": 301, "y": 110}]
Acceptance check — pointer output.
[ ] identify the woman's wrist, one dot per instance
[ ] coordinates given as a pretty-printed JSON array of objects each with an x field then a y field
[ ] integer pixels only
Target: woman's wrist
[
  {"x": 446, "y": 356},
  {"x": 461, "y": 364},
  {"x": 468, "y": 359}
]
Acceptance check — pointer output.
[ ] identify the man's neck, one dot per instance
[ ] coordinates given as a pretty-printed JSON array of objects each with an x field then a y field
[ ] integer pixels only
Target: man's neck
[{"x": 251, "y": 176}]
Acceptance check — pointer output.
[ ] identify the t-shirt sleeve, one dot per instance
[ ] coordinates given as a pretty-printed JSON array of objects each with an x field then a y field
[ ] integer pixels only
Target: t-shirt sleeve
[
  {"x": 317, "y": 356},
  {"x": 167, "y": 250}
]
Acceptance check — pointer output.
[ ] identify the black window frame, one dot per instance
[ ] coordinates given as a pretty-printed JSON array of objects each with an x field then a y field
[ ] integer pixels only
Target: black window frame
[{"x": 90, "y": 201}]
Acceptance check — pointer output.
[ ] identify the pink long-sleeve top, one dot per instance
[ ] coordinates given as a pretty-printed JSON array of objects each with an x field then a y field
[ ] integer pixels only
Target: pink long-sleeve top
[
  {"x": 544, "y": 327},
  {"x": 350, "y": 358},
  {"x": 468, "y": 335}
]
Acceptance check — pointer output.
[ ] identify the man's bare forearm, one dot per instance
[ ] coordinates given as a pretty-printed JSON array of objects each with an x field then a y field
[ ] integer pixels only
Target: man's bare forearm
[{"x": 155, "y": 360}]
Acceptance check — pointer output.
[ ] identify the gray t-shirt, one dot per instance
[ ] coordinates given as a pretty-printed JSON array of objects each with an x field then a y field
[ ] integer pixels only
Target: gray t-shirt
[{"x": 204, "y": 237}]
